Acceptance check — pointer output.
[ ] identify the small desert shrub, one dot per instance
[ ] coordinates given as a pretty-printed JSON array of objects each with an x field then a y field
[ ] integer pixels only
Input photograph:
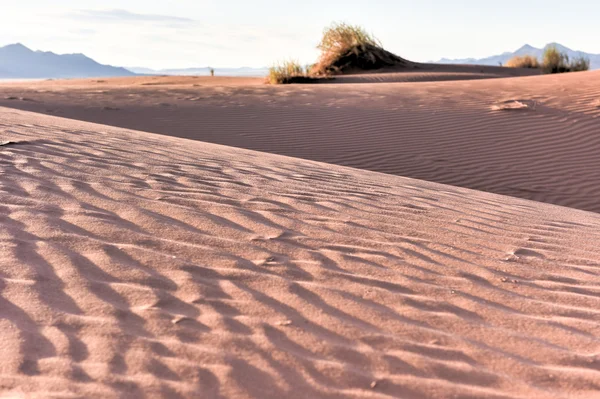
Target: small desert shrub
[
  {"x": 343, "y": 48},
  {"x": 287, "y": 72},
  {"x": 339, "y": 40},
  {"x": 347, "y": 47},
  {"x": 555, "y": 61},
  {"x": 579, "y": 64},
  {"x": 340, "y": 37},
  {"x": 526, "y": 61}
]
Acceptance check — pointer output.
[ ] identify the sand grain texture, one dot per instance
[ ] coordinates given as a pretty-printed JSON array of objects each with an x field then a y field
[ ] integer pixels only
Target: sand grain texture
[{"x": 137, "y": 265}]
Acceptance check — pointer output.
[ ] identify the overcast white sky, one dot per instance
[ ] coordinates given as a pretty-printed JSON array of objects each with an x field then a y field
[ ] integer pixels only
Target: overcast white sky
[{"x": 231, "y": 33}]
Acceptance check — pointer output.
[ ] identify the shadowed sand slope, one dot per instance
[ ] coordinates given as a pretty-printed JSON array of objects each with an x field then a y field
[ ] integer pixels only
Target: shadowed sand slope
[
  {"x": 432, "y": 73},
  {"x": 531, "y": 137},
  {"x": 137, "y": 265}
]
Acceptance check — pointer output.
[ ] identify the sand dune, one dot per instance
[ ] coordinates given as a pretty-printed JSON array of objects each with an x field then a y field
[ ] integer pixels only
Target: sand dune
[
  {"x": 139, "y": 265},
  {"x": 434, "y": 73},
  {"x": 456, "y": 133}
]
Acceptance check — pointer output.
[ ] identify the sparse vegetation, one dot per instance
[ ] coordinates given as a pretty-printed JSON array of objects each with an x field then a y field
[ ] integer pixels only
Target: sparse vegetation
[
  {"x": 553, "y": 61},
  {"x": 288, "y": 72},
  {"x": 579, "y": 64},
  {"x": 345, "y": 47},
  {"x": 526, "y": 61},
  {"x": 340, "y": 40},
  {"x": 557, "y": 62}
]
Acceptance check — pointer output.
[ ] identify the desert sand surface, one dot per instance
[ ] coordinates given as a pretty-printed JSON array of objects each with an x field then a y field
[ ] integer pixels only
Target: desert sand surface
[
  {"x": 433, "y": 73},
  {"x": 140, "y": 265},
  {"x": 534, "y": 137}
]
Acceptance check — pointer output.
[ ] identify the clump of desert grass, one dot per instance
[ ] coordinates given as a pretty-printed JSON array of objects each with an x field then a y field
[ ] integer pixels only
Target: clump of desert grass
[
  {"x": 525, "y": 61},
  {"x": 339, "y": 40},
  {"x": 345, "y": 47},
  {"x": 555, "y": 61},
  {"x": 579, "y": 64},
  {"x": 288, "y": 72}
]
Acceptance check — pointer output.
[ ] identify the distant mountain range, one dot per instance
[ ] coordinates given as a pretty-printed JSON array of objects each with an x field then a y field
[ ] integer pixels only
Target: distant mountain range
[
  {"x": 525, "y": 50},
  {"x": 20, "y": 62},
  {"x": 203, "y": 71}
]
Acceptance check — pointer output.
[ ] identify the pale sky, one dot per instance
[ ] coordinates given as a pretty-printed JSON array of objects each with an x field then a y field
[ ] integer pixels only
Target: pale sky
[{"x": 234, "y": 33}]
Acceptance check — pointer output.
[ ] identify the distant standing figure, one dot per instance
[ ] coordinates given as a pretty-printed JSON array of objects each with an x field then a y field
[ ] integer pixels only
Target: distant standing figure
[{"x": 212, "y": 72}]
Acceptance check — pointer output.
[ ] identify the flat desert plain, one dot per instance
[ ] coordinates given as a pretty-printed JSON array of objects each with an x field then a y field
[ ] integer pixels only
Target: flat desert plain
[{"x": 389, "y": 238}]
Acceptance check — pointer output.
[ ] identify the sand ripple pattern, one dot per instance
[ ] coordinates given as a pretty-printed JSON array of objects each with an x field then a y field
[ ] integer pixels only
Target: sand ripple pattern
[
  {"x": 460, "y": 133},
  {"x": 136, "y": 265}
]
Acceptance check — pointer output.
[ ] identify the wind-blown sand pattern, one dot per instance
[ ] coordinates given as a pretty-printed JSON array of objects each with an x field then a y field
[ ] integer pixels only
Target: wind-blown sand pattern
[
  {"x": 138, "y": 265},
  {"x": 457, "y": 133}
]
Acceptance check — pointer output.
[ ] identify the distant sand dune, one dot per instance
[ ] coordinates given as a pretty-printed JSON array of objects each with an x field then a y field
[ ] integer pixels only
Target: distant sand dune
[
  {"x": 447, "y": 132},
  {"x": 434, "y": 73},
  {"x": 137, "y": 265}
]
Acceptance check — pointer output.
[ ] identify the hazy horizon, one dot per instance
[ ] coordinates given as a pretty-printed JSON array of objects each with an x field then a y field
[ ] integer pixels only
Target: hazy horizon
[{"x": 152, "y": 34}]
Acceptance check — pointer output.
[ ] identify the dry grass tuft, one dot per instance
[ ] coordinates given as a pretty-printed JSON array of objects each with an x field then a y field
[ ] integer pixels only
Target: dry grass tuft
[
  {"x": 345, "y": 47},
  {"x": 526, "y": 61},
  {"x": 579, "y": 64},
  {"x": 557, "y": 62},
  {"x": 288, "y": 72},
  {"x": 554, "y": 61}
]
